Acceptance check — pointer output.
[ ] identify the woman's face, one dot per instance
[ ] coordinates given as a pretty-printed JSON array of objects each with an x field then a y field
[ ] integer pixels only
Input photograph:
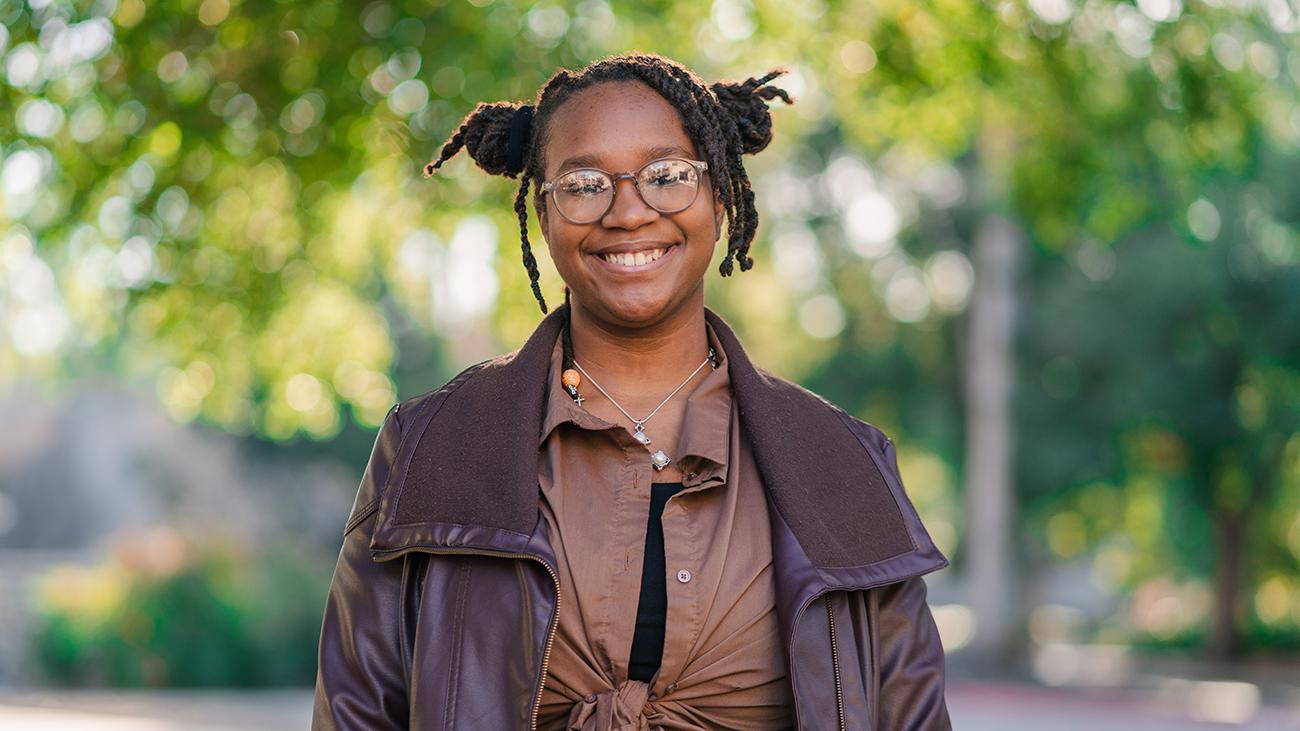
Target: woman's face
[{"x": 619, "y": 127}]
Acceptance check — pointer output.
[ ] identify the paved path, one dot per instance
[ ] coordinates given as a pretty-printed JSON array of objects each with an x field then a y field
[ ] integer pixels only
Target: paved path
[
  {"x": 1003, "y": 707},
  {"x": 130, "y": 710},
  {"x": 974, "y": 707}
]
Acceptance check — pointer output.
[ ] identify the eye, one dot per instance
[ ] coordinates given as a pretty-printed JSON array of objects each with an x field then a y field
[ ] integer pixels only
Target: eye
[
  {"x": 583, "y": 183},
  {"x": 668, "y": 173}
]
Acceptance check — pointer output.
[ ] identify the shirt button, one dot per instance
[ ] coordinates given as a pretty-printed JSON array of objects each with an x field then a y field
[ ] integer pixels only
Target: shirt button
[
  {"x": 683, "y": 576},
  {"x": 671, "y": 687},
  {"x": 591, "y": 698}
]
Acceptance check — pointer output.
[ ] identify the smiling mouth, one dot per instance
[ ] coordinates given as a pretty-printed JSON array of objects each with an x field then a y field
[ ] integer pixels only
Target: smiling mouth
[{"x": 633, "y": 262}]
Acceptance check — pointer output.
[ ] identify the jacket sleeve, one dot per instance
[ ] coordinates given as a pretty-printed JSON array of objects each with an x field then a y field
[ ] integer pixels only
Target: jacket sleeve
[
  {"x": 361, "y": 678},
  {"x": 911, "y": 660}
]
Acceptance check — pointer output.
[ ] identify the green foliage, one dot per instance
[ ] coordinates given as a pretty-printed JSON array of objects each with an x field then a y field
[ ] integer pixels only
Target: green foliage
[
  {"x": 220, "y": 619},
  {"x": 1185, "y": 353},
  {"x": 228, "y": 207}
]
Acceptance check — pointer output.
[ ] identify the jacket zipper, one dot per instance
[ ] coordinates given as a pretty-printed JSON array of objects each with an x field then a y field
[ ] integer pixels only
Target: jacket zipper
[
  {"x": 835, "y": 657},
  {"x": 555, "y": 615},
  {"x": 550, "y": 637},
  {"x": 835, "y": 660}
]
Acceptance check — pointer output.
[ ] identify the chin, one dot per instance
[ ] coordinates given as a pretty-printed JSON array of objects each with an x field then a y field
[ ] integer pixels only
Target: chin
[{"x": 638, "y": 310}]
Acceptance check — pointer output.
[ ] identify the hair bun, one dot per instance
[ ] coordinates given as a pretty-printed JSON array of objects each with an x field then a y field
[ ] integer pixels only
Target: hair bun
[
  {"x": 485, "y": 135},
  {"x": 745, "y": 102}
]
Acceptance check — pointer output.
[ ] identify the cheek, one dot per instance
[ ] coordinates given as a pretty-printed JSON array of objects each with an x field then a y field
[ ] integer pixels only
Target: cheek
[
  {"x": 700, "y": 251},
  {"x": 701, "y": 226},
  {"x": 565, "y": 244}
]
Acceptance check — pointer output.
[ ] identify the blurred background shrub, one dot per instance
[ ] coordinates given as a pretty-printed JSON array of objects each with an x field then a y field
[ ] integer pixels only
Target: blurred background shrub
[{"x": 167, "y": 611}]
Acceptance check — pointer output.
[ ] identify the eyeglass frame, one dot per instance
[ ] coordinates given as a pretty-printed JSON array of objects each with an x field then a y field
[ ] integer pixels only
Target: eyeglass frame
[{"x": 701, "y": 166}]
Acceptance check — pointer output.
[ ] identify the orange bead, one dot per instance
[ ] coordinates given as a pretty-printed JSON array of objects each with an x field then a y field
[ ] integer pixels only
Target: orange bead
[{"x": 570, "y": 377}]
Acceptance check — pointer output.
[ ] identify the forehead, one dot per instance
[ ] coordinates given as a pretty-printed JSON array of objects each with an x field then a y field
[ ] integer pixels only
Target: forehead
[{"x": 615, "y": 126}]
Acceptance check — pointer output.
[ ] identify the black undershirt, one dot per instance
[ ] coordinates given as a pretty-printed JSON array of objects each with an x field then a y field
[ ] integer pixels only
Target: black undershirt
[{"x": 648, "y": 640}]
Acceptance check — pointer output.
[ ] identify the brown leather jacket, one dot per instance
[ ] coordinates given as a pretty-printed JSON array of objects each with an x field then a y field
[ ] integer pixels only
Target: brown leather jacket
[{"x": 443, "y": 604}]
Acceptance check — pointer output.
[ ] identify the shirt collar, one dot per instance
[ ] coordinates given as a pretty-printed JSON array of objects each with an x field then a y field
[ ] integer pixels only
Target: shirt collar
[{"x": 703, "y": 444}]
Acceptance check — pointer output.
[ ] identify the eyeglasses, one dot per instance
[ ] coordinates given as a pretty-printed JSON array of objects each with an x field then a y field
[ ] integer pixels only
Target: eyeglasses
[{"x": 668, "y": 185}]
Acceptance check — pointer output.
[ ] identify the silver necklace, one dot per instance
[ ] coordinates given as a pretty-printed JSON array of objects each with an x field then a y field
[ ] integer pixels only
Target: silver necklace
[{"x": 658, "y": 459}]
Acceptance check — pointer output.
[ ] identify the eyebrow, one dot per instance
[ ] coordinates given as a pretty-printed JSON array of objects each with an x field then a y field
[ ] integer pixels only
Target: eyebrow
[{"x": 648, "y": 154}]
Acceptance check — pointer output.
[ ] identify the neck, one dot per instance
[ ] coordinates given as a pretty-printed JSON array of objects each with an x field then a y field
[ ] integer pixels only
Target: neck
[{"x": 640, "y": 366}]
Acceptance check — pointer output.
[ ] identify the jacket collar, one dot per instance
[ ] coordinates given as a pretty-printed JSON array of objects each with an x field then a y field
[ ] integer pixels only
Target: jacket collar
[{"x": 465, "y": 474}]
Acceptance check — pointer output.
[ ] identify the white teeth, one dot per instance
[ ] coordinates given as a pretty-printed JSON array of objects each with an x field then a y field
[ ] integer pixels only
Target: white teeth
[{"x": 640, "y": 258}]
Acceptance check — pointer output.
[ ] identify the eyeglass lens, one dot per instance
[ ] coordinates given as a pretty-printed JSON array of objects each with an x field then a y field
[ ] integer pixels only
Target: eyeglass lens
[{"x": 668, "y": 186}]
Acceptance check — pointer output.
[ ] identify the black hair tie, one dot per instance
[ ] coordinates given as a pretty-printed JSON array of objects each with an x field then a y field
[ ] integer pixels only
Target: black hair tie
[{"x": 519, "y": 128}]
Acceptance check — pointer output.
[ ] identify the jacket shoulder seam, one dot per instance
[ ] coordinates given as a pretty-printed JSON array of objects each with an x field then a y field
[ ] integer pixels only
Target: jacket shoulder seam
[
  {"x": 366, "y": 511},
  {"x": 414, "y": 402},
  {"x": 419, "y": 401},
  {"x": 361, "y": 516},
  {"x": 429, "y": 400}
]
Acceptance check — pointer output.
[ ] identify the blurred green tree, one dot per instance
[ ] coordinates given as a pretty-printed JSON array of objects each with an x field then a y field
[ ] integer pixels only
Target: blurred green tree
[
  {"x": 223, "y": 200},
  {"x": 1077, "y": 126}
]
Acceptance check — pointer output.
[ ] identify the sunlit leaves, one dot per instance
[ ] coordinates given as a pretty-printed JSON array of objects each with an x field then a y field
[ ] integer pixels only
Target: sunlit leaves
[
  {"x": 307, "y": 374},
  {"x": 1071, "y": 89}
]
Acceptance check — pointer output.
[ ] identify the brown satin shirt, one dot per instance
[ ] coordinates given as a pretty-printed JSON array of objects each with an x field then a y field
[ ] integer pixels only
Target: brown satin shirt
[{"x": 723, "y": 663}]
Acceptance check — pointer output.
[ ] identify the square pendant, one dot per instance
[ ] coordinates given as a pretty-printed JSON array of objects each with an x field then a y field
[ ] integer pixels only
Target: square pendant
[
  {"x": 641, "y": 436},
  {"x": 659, "y": 460}
]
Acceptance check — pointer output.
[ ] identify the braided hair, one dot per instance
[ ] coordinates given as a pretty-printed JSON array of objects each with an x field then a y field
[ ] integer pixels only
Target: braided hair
[{"x": 725, "y": 120}]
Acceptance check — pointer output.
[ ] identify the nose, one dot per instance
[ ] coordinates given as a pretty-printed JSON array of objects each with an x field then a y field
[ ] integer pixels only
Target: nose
[{"x": 628, "y": 210}]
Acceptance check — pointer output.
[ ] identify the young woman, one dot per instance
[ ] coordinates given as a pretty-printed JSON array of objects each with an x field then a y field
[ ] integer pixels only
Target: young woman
[{"x": 625, "y": 523}]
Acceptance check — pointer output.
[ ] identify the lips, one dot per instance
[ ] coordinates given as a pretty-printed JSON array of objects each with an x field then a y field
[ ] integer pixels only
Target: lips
[
  {"x": 642, "y": 260},
  {"x": 638, "y": 258}
]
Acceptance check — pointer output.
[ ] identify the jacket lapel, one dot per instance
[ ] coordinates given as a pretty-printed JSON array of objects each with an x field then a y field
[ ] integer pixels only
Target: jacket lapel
[{"x": 465, "y": 473}]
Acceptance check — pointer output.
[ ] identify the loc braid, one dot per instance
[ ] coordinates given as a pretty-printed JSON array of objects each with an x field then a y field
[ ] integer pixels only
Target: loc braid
[
  {"x": 567, "y": 334},
  {"x": 530, "y": 261},
  {"x": 485, "y": 134},
  {"x": 449, "y": 150},
  {"x": 452, "y": 146},
  {"x": 750, "y": 132}
]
